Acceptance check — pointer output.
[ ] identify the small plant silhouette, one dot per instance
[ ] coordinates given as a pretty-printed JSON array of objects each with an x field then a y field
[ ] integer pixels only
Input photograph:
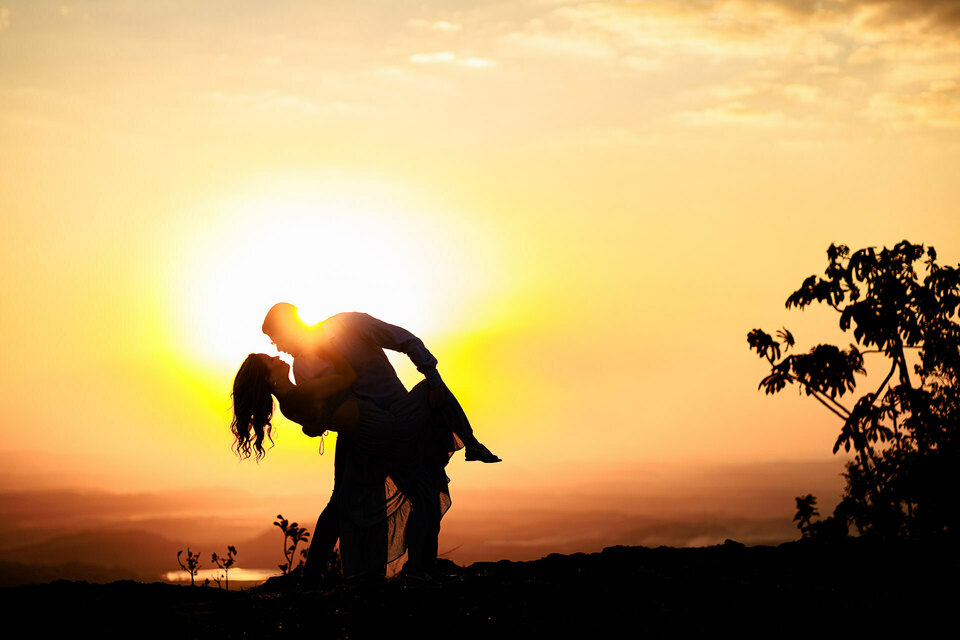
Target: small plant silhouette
[
  {"x": 192, "y": 566},
  {"x": 806, "y": 509},
  {"x": 225, "y": 563},
  {"x": 294, "y": 534},
  {"x": 334, "y": 566}
]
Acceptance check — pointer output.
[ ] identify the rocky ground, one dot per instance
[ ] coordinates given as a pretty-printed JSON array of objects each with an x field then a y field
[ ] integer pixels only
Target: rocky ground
[{"x": 854, "y": 589}]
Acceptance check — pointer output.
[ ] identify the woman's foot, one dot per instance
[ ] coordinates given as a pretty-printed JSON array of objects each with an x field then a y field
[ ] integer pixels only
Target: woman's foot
[{"x": 480, "y": 453}]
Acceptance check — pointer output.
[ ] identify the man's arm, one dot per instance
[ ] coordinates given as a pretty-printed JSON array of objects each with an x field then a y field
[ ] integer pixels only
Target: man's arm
[{"x": 388, "y": 336}]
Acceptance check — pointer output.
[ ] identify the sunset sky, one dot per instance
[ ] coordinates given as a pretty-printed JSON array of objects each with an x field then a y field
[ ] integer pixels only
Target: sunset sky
[{"x": 581, "y": 207}]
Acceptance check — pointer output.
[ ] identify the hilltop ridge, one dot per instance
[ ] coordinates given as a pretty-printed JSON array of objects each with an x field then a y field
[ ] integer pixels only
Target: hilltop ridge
[{"x": 853, "y": 588}]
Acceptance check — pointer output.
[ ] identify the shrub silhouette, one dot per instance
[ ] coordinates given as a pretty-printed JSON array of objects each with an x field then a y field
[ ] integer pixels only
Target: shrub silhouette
[
  {"x": 192, "y": 566},
  {"x": 294, "y": 534},
  {"x": 806, "y": 509},
  {"x": 334, "y": 567},
  {"x": 902, "y": 478},
  {"x": 225, "y": 564}
]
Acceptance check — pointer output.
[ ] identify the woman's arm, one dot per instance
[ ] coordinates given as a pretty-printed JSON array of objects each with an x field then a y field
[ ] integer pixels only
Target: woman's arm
[
  {"x": 318, "y": 389},
  {"x": 315, "y": 390},
  {"x": 302, "y": 402}
]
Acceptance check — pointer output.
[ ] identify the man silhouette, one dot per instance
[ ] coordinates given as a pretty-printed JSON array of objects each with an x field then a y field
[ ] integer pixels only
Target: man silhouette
[{"x": 361, "y": 338}]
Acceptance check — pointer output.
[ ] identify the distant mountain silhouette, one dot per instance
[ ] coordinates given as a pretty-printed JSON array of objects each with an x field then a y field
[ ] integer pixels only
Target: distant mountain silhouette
[
  {"x": 100, "y": 556},
  {"x": 146, "y": 556},
  {"x": 103, "y": 531},
  {"x": 63, "y": 505},
  {"x": 14, "y": 574},
  {"x": 143, "y": 553}
]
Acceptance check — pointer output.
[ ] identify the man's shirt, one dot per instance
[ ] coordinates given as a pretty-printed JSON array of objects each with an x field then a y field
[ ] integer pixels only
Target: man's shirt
[{"x": 361, "y": 339}]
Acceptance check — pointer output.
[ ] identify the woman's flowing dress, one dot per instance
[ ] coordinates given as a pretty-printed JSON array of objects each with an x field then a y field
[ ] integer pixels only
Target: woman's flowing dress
[{"x": 392, "y": 463}]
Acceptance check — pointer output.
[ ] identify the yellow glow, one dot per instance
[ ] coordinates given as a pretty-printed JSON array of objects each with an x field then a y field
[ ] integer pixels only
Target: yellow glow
[
  {"x": 325, "y": 251},
  {"x": 580, "y": 207}
]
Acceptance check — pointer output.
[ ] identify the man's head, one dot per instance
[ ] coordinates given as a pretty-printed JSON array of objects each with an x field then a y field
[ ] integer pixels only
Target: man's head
[{"x": 284, "y": 328}]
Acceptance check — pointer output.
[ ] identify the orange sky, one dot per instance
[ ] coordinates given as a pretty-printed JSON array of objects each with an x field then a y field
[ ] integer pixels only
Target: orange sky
[{"x": 581, "y": 207}]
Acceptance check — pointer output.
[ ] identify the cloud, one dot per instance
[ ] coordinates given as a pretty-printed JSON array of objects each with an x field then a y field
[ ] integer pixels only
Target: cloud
[
  {"x": 756, "y": 104},
  {"x": 825, "y": 70},
  {"x": 906, "y": 50},
  {"x": 593, "y": 137},
  {"x": 791, "y": 92},
  {"x": 832, "y": 52},
  {"x": 478, "y": 63},
  {"x": 802, "y": 92},
  {"x": 937, "y": 106},
  {"x": 436, "y": 25},
  {"x": 731, "y": 113},
  {"x": 640, "y": 63},
  {"x": 737, "y": 29},
  {"x": 269, "y": 100},
  {"x": 796, "y": 29},
  {"x": 573, "y": 45},
  {"x": 4, "y": 18},
  {"x": 431, "y": 58},
  {"x": 900, "y": 14},
  {"x": 448, "y": 57},
  {"x": 874, "y": 14}
]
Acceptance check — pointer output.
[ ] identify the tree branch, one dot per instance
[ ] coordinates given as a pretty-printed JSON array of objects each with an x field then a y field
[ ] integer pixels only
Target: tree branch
[
  {"x": 838, "y": 404},
  {"x": 885, "y": 380},
  {"x": 904, "y": 372},
  {"x": 879, "y": 351},
  {"x": 816, "y": 395}
]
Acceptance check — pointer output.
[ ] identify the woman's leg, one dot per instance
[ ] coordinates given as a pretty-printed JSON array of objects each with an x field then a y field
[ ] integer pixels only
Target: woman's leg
[
  {"x": 324, "y": 538},
  {"x": 452, "y": 417},
  {"x": 451, "y": 414}
]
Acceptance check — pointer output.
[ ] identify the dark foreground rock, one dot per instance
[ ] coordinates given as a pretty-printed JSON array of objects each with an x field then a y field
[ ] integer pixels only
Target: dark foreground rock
[{"x": 854, "y": 589}]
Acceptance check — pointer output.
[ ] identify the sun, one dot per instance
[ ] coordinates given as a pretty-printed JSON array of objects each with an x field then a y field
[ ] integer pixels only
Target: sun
[{"x": 323, "y": 252}]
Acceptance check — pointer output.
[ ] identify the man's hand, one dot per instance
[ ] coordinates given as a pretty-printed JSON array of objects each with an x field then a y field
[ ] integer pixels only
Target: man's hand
[{"x": 437, "y": 396}]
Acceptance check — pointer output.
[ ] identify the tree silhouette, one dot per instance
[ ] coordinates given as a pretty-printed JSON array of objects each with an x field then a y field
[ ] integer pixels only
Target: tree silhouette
[{"x": 903, "y": 477}]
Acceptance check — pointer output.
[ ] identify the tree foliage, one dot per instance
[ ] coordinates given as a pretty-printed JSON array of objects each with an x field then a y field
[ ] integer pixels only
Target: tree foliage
[{"x": 903, "y": 478}]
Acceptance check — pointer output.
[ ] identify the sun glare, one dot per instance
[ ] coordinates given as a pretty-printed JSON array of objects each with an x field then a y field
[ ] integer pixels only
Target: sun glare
[{"x": 324, "y": 252}]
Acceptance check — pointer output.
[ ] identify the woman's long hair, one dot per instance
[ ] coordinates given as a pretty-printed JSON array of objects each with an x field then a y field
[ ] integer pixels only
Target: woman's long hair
[{"x": 252, "y": 407}]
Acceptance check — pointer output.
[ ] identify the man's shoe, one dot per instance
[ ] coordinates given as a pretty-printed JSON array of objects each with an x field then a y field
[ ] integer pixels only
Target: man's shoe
[{"x": 480, "y": 453}]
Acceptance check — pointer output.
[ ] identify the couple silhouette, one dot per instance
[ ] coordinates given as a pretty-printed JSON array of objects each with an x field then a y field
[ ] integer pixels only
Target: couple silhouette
[{"x": 390, "y": 485}]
